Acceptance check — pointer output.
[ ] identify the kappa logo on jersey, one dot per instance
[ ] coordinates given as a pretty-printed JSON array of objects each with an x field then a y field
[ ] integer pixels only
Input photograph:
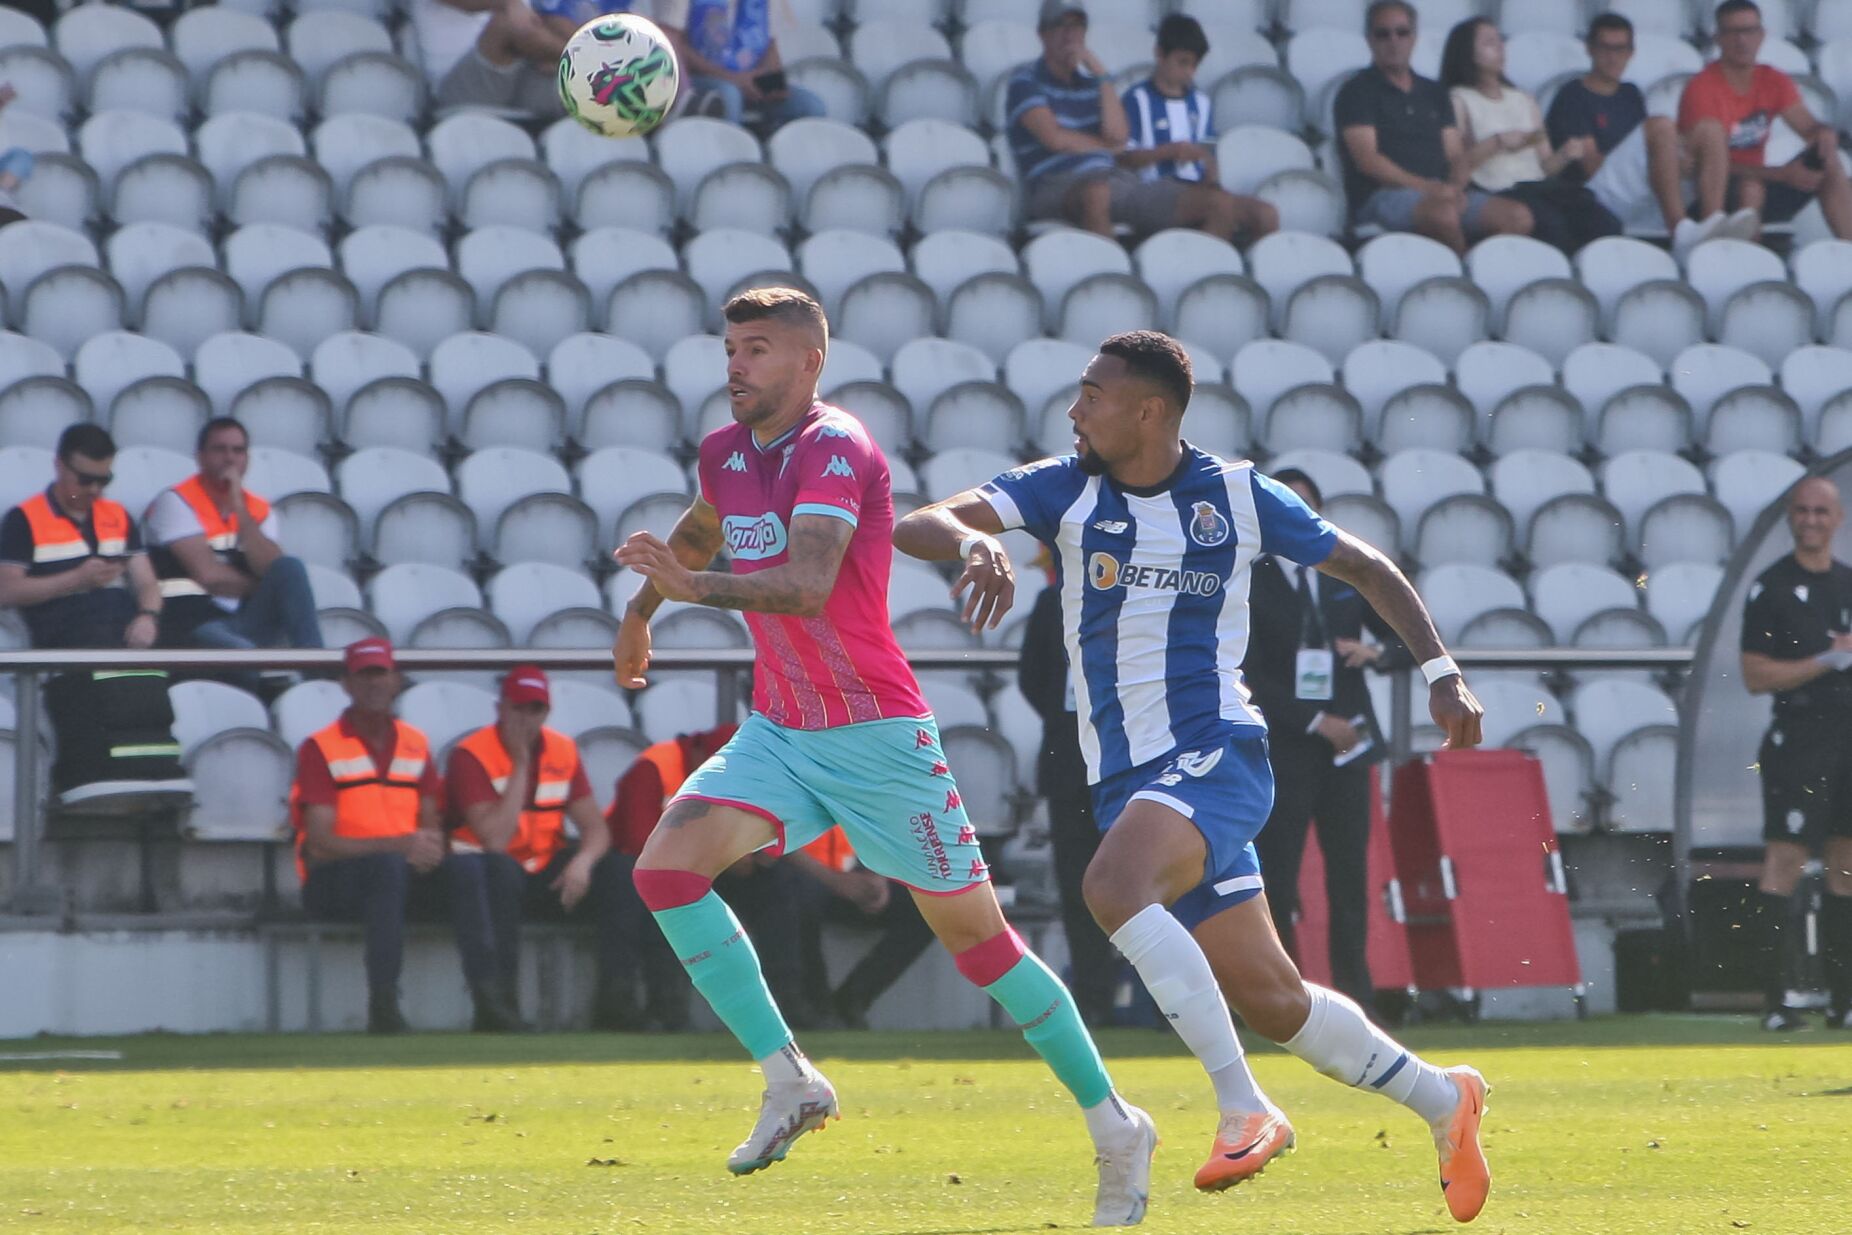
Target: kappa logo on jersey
[
  {"x": 1207, "y": 526},
  {"x": 1106, "y": 572},
  {"x": 922, "y": 740},
  {"x": 940, "y": 768},
  {"x": 967, "y": 835},
  {"x": 839, "y": 466},
  {"x": 832, "y": 431},
  {"x": 736, "y": 462},
  {"x": 754, "y": 537},
  {"x": 784, "y": 460},
  {"x": 1112, "y": 527},
  {"x": 952, "y": 800}
]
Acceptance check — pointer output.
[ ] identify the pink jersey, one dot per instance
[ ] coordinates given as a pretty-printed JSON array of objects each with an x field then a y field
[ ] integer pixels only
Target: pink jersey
[{"x": 842, "y": 666}]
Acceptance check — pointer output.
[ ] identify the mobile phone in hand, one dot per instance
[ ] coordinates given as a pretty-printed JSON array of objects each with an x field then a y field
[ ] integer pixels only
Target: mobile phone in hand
[{"x": 772, "y": 82}]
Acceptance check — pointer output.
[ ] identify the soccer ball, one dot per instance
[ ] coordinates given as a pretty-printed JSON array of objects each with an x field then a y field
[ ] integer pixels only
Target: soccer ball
[{"x": 618, "y": 75}]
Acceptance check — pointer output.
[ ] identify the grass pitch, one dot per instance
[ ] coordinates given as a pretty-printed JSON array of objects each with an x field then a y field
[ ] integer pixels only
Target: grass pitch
[{"x": 1672, "y": 1125}]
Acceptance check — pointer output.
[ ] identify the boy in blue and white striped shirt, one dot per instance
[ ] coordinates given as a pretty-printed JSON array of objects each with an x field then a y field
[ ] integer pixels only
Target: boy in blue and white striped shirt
[{"x": 1172, "y": 130}]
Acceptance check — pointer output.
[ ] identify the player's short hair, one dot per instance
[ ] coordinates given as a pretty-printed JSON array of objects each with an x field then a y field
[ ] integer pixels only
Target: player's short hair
[
  {"x": 1156, "y": 358},
  {"x": 1609, "y": 21},
  {"x": 214, "y": 425},
  {"x": 1736, "y": 6},
  {"x": 90, "y": 441},
  {"x": 781, "y": 304},
  {"x": 1379, "y": 7},
  {"x": 1181, "y": 32},
  {"x": 1293, "y": 476}
]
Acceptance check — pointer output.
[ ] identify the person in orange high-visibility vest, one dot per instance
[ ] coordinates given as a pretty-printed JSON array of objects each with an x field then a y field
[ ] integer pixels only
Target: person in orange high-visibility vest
[
  {"x": 512, "y": 788},
  {"x": 834, "y": 887},
  {"x": 213, "y": 545},
  {"x": 71, "y": 560},
  {"x": 366, "y": 810}
]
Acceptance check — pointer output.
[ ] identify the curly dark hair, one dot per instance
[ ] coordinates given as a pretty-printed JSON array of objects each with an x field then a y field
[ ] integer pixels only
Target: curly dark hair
[{"x": 1155, "y": 357}]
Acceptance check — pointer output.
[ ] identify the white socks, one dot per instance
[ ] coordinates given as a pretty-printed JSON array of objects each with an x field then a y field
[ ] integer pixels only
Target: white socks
[
  {"x": 1340, "y": 1042},
  {"x": 787, "y": 1066},
  {"x": 1108, "y": 1122},
  {"x": 1178, "y": 976}
]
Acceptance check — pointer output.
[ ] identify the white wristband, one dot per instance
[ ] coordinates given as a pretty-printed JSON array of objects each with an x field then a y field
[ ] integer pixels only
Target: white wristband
[
  {"x": 975, "y": 538},
  {"x": 1438, "y": 668}
]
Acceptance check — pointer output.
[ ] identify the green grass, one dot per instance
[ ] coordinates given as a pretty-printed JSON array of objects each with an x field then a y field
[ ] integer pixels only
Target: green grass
[{"x": 1635, "y": 1125}]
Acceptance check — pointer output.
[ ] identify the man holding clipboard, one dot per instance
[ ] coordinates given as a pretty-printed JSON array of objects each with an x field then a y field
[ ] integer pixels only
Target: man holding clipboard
[{"x": 1305, "y": 662}]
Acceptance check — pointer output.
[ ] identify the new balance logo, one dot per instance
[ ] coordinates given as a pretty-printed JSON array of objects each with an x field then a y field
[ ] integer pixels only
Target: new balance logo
[
  {"x": 839, "y": 466},
  {"x": 1195, "y": 763},
  {"x": 1112, "y": 527},
  {"x": 736, "y": 462}
]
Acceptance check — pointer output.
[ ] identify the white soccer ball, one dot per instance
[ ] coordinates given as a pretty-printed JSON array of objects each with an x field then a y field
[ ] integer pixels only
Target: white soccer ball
[{"x": 618, "y": 75}]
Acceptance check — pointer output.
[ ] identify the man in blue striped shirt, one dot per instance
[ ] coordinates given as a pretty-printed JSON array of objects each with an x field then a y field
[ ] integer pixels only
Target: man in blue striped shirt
[
  {"x": 1066, "y": 130},
  {"x": 1173, "y": 130}
]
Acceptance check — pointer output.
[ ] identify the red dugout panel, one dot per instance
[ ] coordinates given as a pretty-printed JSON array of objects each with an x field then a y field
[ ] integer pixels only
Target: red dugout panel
[{"x": 1388, "y": 947}]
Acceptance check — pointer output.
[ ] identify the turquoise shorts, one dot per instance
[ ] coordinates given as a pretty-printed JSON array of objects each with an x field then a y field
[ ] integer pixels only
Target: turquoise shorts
[{"x": 885, "y": 781}]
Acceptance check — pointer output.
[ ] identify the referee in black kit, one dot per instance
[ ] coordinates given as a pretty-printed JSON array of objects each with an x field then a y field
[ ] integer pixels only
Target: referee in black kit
[
  {"x": 1797, "y": 646},
  {"x": 1305, "y": 662}
]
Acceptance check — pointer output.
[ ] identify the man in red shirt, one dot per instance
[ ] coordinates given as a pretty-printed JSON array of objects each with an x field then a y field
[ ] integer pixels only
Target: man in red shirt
[
  {"x": 512, "y": 787},
  {"x": 365, "y": 806},
  {"x": 1746, "y": 98}
]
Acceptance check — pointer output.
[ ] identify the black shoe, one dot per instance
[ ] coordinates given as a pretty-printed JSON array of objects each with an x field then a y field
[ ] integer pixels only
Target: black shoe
[
  {"x": 495, "y": 1014},
  {"x": 1784, "y": 1020},
  {"x": 384, "y": 1017},
  {"x": 613, "y": 1011}
]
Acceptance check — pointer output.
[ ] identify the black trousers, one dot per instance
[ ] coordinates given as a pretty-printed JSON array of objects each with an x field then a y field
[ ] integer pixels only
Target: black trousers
[
  {"x": 1306, "y": 788},
  {"x": 904, "y": 935},
  {"x": 1076, "y": 836},
  {"x": 490, "y": 896},
  {"x": 380, "y": 891}
]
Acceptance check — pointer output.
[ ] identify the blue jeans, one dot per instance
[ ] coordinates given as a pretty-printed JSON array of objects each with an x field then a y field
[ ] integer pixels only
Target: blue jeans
[
  {"x": 795, "y": 105},
  {"x": 490, "y": 894},
  {"x": 17, "y": 163},
  {"x": 279, "y": 612},
  {"x": 380, "y": 891}
]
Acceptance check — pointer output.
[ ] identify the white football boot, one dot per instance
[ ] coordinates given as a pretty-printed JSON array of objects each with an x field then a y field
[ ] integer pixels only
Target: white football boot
[
  {"x": 787, "y": 1111},
  {"x": 1125, "y": 1174}
]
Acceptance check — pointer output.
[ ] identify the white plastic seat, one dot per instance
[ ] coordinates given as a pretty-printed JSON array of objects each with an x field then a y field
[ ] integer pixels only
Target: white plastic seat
[
  {"x": 406, "y": 593},
  {"x": 1171, "y": 260},
  {"x": 880, "y": 48},
  {"x": 612, "y": 479},
  {"x": 1457, "y": 592},
  {"x": 1705, "y": 372},
  {"x": 1575, "y": 527},
  {"x": 1823, "y": 270},
  {"x": 980, "y": 415},
  {"x": 446, "y": 710},
  {"x": 276, "y": 473},
  {"x": 835, "y": 261},
  {"x": 1057, "y": 261},
  {"x": 885, "y": 310},
  {"x": 397, "y": 190},
  {"x": 143, "y": 471},
  {"x": 1660, "y": 319},
  {"x": 1394, "y": 262},
  {"x": 1413, "y": 480},
  {"x": 1680, "y": 595},
  {"x": 1552, "y": 317},
  {"x": 993, "y": 48},
  {"x": 254, "y": 80},
  {"x": 1768, "y": 320},
  {"x": 807, "y": 149},
  {"x": 1568, "y": 593},
  {"x": 1489, "y": 371},
  {"x": 257, "y": 253},
  {"x": 1285, "y": 261},
  {"x": 373, "y": 84},
  {"x": 925, "y": 368},
  {"x": 1249, "y": 154},
  {"x": 578, "y": 707},
  {"x": 68, "y": 304},
  {"x": 35, "y": 411},
  {"x": 995, "y": 312},
  {"x": 694, "y": 368},
  {"x": 203, "y": 37},
  {"x": 1645, "y": 417},
  {"x": 29, "y": 249},
  {"x": 720, "y": 258},
  {"x": 428, "y": 528},
  {"x": 691, "y": 147},
  {"x": 109, "y": 363},
  {"x": 1611, "y": 266},
  {"x": 1332, "y": 314},
  {"x": 584, "y": 363},
  {"x": 164, "y": 413},
  {"x": 953, "y": 471},
  {"x": 1319, "y": 57},
  {"x": 345, "y": 144},
  {"x": 1105, "y": 304},
  {"x": 1039, "y": 368},
  {"x": 319, "y": 37},
  {"x": 1377, "y": 370},
  {"x": 944, "y": 260},
  {"x": 286, "y": 412},
  {"x": 1719, "y": 268},
  {"x": 1635, "y": 480},
  {"x": 606, "y": 257},
  {"x": 1686, "y": 527},
  {"x": 1748, "y": 481},
  {"x": 674, "y": 706},
  {"x": 919, "y": 150},
  {"x": 24, "y": 470},
  {"x": 227, "y": 363},
  {"x": 465, "y": 364},
  {"x": 1502, "y": 265},
  {"x": 372, "y": 478},
  {"x": 373, "y": 256},
  {"x": 1753, "y": 418},
  {"x": 1467, "y": 527},
  {"x": 231, "y": 142},
  {"x": 464, "y": 143},
  {"x": 1267, "y": 368},
  {"x": 489, "y": 257},
  {"x": 1596, "y": 372},
  {"x": 1813, "y": 376},
  {"x": 1443, "y": 316},
  {"x": 1316, "y": 416},
  {"x": 305, "y": 708},
  {"x": 626, "y": 193},
  {"x": 573, "y": 152},
  {"x": 1607, "y": 709},
  {"x": 523, "y": 594},
  {"x": 142, "y": 252},
  {"x": 88, "y": 33},
  {"x": 656, "y": 309},
  {"x": 343, "y": 363},
  {"x": 546, "y": 527}
]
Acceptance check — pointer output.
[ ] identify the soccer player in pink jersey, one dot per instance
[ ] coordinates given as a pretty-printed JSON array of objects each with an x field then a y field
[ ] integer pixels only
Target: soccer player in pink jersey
[{"x": 800, "y": 497}]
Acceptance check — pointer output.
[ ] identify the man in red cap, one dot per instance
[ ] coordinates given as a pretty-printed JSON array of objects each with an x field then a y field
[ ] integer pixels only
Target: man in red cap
[
  {"x": 365, "y": 806},
  {"x": 512, "y": 786}
]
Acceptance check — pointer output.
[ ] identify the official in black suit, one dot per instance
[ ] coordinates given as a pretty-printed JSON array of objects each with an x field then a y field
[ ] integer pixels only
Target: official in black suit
[
  {"x": 1322, "y": 744},
  {"x": 1061, "y": 779}
]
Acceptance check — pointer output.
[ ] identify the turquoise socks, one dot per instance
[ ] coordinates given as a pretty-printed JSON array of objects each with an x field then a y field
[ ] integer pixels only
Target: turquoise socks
[
  {"x": 1041, "y": 1006},
  {"x": 721, "y": 962}
]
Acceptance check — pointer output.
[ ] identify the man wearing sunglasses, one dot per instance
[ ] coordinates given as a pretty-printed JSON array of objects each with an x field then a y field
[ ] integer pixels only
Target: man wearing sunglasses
[
  {"x": 1404, "y": 163},
  {"x": 71, "y": 560}
]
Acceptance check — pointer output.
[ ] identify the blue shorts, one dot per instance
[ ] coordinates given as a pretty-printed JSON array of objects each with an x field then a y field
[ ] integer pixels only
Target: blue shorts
[
  {"x": 1226, "y": 790},
  {"x": 1393, "y": 208},
  {"x": 885, "y": 781}
]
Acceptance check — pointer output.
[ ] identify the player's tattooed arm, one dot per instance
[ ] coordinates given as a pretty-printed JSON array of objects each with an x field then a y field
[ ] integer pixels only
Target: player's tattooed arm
[
  {"x": 800, "y": 586},
  {"x": 942, "y": 531},
  {"x": 693, "y": 543},
  {"x": 1389, "y": 592}
]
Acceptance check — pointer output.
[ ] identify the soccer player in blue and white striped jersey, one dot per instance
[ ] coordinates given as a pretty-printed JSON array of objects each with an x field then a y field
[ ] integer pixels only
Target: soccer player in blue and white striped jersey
[{"x": 1152, "y": 539}]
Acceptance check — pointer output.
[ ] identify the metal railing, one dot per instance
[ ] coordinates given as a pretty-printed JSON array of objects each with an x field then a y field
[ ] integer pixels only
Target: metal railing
[{"x": 29, "y": 667}]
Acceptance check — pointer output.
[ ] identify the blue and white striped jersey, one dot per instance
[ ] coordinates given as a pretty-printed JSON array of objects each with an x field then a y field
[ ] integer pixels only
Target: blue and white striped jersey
[
  {"x": 1154, "y": 593},
  {"x": 1157, "y": 119}
]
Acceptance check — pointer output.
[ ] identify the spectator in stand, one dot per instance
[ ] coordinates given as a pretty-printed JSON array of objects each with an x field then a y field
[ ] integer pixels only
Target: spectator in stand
[
  {"x": 511, "y": 787},
  {"x": 835, "y": 888},
  {"x": 642, "y": 792},
  {"x": 730, "y": 58},
  {"x": 1172, "y": 134},
  {"x": 1404, "y": 161},
  {"x": 15, "y": 168},
  {"x": 1745, "y": 98},
  {"x": 1635, "y": 163},
  {"x": 71, "y": 560},
  {"x": 225, "y": 581},
  {"x": 1505, "y": 147},
  {"x": 498, "y": 53},
  {"x": 366, "y": 811}
]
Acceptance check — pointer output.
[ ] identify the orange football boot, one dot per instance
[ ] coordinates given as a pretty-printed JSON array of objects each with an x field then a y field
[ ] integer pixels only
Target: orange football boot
[
  {"x": 1465, "y": 1179},
  {"x": 1244, "y": 1145}
]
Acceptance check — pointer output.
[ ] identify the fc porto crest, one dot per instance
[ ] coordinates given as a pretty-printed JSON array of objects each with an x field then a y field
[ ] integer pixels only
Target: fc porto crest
[{"x": 1207, "y": 526}]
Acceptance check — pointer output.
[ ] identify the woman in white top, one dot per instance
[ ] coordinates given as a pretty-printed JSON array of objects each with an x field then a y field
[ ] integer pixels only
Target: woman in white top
[{"x": 1507, "y": 150}]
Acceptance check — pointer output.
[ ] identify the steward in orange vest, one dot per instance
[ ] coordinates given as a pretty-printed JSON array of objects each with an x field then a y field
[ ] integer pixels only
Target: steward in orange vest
[
  {"x": 213, "y": 546},
  {"x": 365, "y": 807},
  {"x": 71, "y": 560},
  {"x": 512, "y": 788}
]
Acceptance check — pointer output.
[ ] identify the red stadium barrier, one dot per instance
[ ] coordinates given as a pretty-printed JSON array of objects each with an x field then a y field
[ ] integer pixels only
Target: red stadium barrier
[
  {"x": 1390, "y": 967},
  {"x": 1481, "y": 874}
]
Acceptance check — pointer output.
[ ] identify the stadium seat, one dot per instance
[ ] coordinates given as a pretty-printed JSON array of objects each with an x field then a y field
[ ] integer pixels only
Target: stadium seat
[
  {"x": 345, "y": 144},
  {"x": 371, "y": 83},
  {"x": 35, "y": 411},
  {"x": 572, "y": 152},
  {"x": 1502, "y": 266},
  {"x": 464, "y": 364},
  {"x": 720, "y": 258},
  {"x": 398, "y": 190},
  {"x": 1823, "y": 270},
  {"x": 1467, "y": 527},
  {"x": 319, "y": 38},
  {"x": 694, "y": 368},
  {"x": 849, "y": 361},
  {"x": 955, "y": 470},
  {"x": 1315, "y": 416},
  {"x": 1636, "y": 480},
  {"x": 1457, "y": 592},
  {"x": 227, "y": 363},
  {"x": 88, "y": 33},
  {"x": 1747, "y": 482},
  {"x": 306, "y": 707},
  {"x": 109, "y": 363},
  {"x": 1394, "y": 262},
  {"x": 1768, "y": 320},
  {"x": 63, "y": 187},
  {"x": 995, "y": 312},
  {"x": 1377, "y": 370},
  {"x": 1058, "y": 261},
  {"x": 1105, "y": 304},
  {"x": 1267, "y": 368},
  {"x": 464, "y": 143},
  {"x": 1171, "y": 260},
  {"x": 1039, "y": 368},
  {"x": 160, "y": 412},
  {"x": 201, "y": 38},
  {"x": 319, "y": 528},
  {"x": 944, "y": 260},
  {"x": 582, "y": 364},
  {"x": 1524, "y": 480},
  {"x": 1645, "y": 417},
  {"x": 257, "y": 253},
  {"x": 1753, "y": 418},
  {"x": 1607, "y": 709},
  {"x": 1685, "y": 527},
  {"x": 143, "y": 471},
  {"x": 612, "y": 479},
  {"x": 373, "y": 477},
  {"x": 1612, "y": 266},
  {"x": 1432, "y": 416},
  {"x": 835, "y": 261},
  {"x": 1249, "y": 154},
  {"x": 425, "y": 527},
  {"x": 1488, "y": 372},
  {"x": 1552, "y": 317},
  {"x": 991, "y": 50},
  {"x": 446, "y": 711},
  {"x": 1680, "y": 595},
  {"x": 1575, "y": 527},
  {"x": 23, "y": 472},
  {"x": 406, "y": 593},
  {"x": 1595, "y": 372},
  {"x": 656, "y": 309},
  {"x": 1413, "y": 480},
  {"x": 1284, "y": 261},
  {"x": 627, "y": 193},
  {"x": 1332, "y": 314},
  {"x": 140, "y": 253},
  {"x": 672, "y": 706},
  {"x": 1705, "y": 372},
  {"x": 29, "y": 249},
  {"x": 68, "y": 304},
  {"x": 925, "y": 368},
  {"x": 285, "y": 412},
  {"x": 1443, "y": 316},
  {"x": 334, "y": 589},
  {"x": 1567, "y": 593},
  {"x": 691, "y": 148},
  {"x": 578, "y": 707},
  {"x": 401, "y": 412},
  {"x": 1319, "y": 57},
  {"x": 884, "y": 310},
  {"x": 1222, "y": 312},
  {"x": 607, "y": 256},
  {"x": 979, "y": 414},
  {"x": 1718, "y": 269},
  {"x": 343, "y": 363},
  {"x": 489, "y": 257},
  {"x": 547, "y": 527},
  {"x": 526, "y": 592},
  {"x": 514, "y": 411},
  {"x": 22, "y": 357},
  {"x": 276, "y": 472}
]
